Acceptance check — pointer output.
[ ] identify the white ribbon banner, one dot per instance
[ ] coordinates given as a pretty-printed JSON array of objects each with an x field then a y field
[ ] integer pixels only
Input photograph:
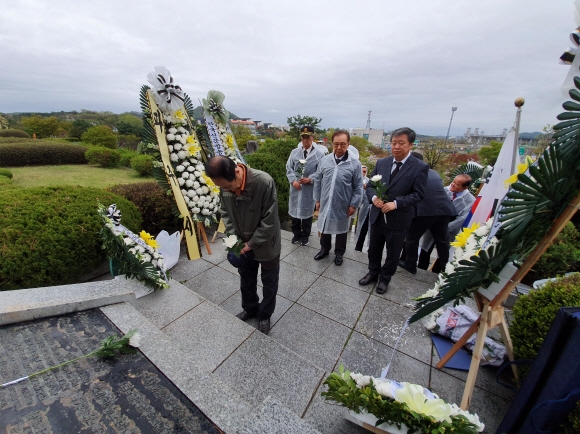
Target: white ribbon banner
[{"x": 214, "y": 135}]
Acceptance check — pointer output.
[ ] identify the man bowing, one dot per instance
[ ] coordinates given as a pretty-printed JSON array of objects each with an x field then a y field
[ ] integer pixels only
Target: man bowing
[{"x": 405, "y": 177}]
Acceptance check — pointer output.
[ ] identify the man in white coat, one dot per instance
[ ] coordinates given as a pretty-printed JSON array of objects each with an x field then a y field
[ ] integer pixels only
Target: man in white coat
[
  {"x": 301, "y": 172},
  {"x": 338, "y": 191},
  {"x": 362, "y": 221}
]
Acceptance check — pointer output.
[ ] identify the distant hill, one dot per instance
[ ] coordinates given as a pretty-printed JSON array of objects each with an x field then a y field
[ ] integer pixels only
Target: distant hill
[{"x": 530, "y": 135}]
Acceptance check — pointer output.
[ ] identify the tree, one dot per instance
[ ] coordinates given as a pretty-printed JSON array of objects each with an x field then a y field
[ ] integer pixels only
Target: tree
[
  {"x": 361, "y": 144},
  {"x": 79, "y": 127},
  {"x": 488, "y": 154},
  {"x": 129, "y": 124},
  {"x": 100, "y": 135},
  {"x": 41, "y": 126},
  {"x": 295, "y": 122},
  {"x": 242, "y": 135},
  {"x": 3, "y": 123},
  {"x": 543, "y": 140},
  {"x": 434, "y": 151}
]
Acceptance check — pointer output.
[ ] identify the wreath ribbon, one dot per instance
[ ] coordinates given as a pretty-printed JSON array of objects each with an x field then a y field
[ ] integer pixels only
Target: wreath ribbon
[{"x": 568, "y": 57}]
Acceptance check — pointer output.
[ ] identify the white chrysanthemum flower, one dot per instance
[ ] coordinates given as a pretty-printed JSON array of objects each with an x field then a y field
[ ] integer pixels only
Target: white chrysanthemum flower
[
  {"x": 155, "y": 254},
  {"x": 172, "y": 130},
  {"x": 230, "y": 241},
  {"x": 200, "y": 167},
  {"x": 361, "y": 380},
  {"x": 154, "y": 262},
  {"x": 189, "y": 183},
  {"x": 197, "y": 173},
  {"x": 173, "y": 157},
  {"x": 146, "y": 257},
  {"x": 170, "y": 137},
  {"x": 376, "y": 178},
  {"x": 186, "y": 163},
  {"x": 449, "y": 268},
  {"x": 199, "y": 191},
  {"x": 481, "y": 231},
  {"x": 195, "y": 210},
  {"x": 182, "y": 130},
  {"x": 181, "y": 181},
  {"x": 128, "y": 241},
  {"x": 205, "y": 211},
  {"x": 182, "y": 155},
  {"x": 489, "y": 222},
  {"x": 193, "y": 160},
  {"x": 177, "y": 147},
  {"x": 184, "y": 192},
  {"x": 186, "y": 198},
  {"x": 190, "y": 193},
  {"x": 183, "y": 139},
  {"x": 302, "y": 161},
  {"x": 180, "y": 168},
  {"x": 493, "y": 241},
  {"x": 205, "y": 189},
  {"x": 190, "y": 168},
  {"x": 196, "y": 185},
  {"x": 473, "y": 418},
  {"x": 206, "y": 204},
  {"x": 185, "y": 175},
  {"x": 383, "y": 387},
  {"x": 431, "y": 293},
  {"x": 170, "y": 147}
]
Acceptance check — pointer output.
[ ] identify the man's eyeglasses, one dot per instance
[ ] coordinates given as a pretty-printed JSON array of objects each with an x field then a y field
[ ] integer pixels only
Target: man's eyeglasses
[{"x": 340, "y": 145}]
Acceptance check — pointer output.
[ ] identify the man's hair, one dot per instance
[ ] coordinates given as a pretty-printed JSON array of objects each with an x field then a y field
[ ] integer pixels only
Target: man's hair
[
  {"x": 338, "y": 132},
  {"x": 411, "y": 136},
  {"x": 417, "y": 155},
  {"x": 221, "y": 167},
  {"x": 364, "y": 167},
  {"x": 466, "y": 179}
]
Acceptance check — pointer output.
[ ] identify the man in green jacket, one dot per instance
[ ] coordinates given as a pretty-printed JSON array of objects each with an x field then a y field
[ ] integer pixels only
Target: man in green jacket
[{"x": 249, "y": 209}]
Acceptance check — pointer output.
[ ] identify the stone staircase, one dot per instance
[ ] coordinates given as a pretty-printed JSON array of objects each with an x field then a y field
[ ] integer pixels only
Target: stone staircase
[{"x": 242, "y": 380}]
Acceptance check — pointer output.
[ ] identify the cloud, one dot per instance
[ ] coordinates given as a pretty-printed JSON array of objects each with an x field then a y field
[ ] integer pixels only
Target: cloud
[{"x": 407, "y": 61}]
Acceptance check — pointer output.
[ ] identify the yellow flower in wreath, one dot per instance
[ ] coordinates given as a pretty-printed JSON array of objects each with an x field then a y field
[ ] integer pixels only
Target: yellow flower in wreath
[
  {"x": 230, "y": 142},
  {"x": 463, "y": 236},
  {"x": 214, "y": 188},
  {"x": 192, "y": 146},
  {"x": 521, "y": 169},
  {"x": 149, "y": 240},
  {"x": 179, "y": 115}
]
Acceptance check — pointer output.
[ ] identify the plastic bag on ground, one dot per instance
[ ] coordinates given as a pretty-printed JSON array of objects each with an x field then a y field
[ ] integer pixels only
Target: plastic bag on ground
[{"x": 169, "y": 247}]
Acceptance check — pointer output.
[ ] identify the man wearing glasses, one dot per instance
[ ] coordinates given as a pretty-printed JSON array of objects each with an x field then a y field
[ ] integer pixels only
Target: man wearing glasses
[{"x": 338, "y": 191}]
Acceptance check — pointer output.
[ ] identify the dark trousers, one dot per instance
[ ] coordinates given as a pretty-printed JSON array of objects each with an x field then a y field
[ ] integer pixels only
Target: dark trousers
[
  {"x": 363, "y": 234},
  {"x": 340, "y": 244},
  {"x": 249, "y": 287},
  {"x": 438, "y": 227},
  {"x": 394, "y": 240},
  {"x": 425, "y": 259},
  {"x": 301, "y": 228}
]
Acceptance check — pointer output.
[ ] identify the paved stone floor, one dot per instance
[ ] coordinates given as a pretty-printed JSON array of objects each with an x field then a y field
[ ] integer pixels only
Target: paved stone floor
[{"x": 324, "y": 315}]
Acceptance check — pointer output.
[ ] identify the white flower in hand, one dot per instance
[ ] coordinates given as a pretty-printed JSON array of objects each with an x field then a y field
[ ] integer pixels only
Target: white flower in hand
[
  {"x": 230, "y": 241},
  {"x": 302, "y": 161},
  {"x": 376, "y": 178}
]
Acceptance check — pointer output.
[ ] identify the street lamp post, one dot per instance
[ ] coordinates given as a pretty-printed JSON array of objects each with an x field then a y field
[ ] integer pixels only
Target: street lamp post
[{"x": 453, "y": 109}]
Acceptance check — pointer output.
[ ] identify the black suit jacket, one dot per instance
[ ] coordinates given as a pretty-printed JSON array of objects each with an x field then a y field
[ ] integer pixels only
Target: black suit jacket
[
  {"x": 436, "y": 201},
  {"x": 408, "y": 189}
]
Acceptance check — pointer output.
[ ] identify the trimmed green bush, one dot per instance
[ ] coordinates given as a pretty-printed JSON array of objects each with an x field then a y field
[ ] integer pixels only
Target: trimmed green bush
[
  {"x": 5, "y": 172},
  {"x": 102, "y": 156},
  {"x": 143, "y": 164},
  {"x": 50, "y": 235},
  {"x": 534, "y": 314},
  {"x": 101, "y": 135},
  {"x": 155, "y": 206},
  {"x": 126, "y": 155},
  {"x": 28, "y": 152},
  {"x": 4, "y": 180},
  {"x": 14, "y": 133}
]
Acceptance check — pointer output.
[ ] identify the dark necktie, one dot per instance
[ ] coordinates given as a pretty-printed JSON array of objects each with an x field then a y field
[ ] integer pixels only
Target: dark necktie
[
  {"x": 338, "y": 160},
  {"x": 398, "y": 164},
  {"x": 305, "y": 154},
  {"x": 454, "y": 196}
]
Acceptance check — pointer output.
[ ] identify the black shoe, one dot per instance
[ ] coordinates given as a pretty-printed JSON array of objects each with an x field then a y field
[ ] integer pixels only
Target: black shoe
[
  {"x": 295, "y": 240},
  {"x": 403, "y": 265},
  {"x": 338, "y": 260},
  {"x": 264, "y": 326},
  {"x": 321, "y": 254},
  {"x": 244, "y": 316},
  {"x": 382, "y": 287},
  {"x": 368, "y": 278},
  {"x": 304, "y": 242}
]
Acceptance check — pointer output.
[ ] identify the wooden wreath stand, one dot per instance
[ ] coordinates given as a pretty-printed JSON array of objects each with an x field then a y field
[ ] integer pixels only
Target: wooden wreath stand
[{"x": 492, "y": 313}]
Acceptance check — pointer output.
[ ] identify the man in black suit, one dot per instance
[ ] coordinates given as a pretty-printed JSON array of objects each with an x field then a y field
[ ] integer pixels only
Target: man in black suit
[
  {"x": 433, "y": 213},
  {"x": 405, "y": 177}
]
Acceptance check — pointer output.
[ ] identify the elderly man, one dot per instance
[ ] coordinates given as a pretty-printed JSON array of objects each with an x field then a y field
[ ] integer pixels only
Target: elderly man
[
  {"x": 338, "y": 191},
  {"x": 433, "y": 214},
  {"x": 405, "y": 178},
  {"x": 301, "y": 172},
  {"x": 458, "y": 192},
  {"x": 249, "y": 209},
  {"x": 362, "y": 221}
]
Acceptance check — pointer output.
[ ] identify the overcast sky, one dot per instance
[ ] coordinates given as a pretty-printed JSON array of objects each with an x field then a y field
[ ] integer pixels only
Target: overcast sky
[{"x": 409, "y": 61}]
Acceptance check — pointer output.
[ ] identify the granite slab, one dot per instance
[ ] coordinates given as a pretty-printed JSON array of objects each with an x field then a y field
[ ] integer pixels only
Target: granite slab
[
  {"x": 383, "y": 321},
  {"x": 286, "y": 235},
  {"x": 306, "y": 261},
  {"x": 33, "y": 303},
  {"x": 215, "y": 284},
  {"x": 402, "y": 290},
  {"x": 294, "y": 281},
  {"x": 226, "y": 265},
  {"x": 355, "y": 255},
  {"x": 287, "y": 247},
  {"x": 186, "y": 269},
  {"x": 335, "y": 300},
  {"x": 311, "y": 335},
  {"x": 233, "y": 305},
  {"x": 218, "y": 252},
  {"x": 349, "y": 273},
  {"x": 424, "y": 276},
  {"x": 210, "y": 333},
  {"x": 164, "y": 307},
  {"x": 261, "y": 367}
]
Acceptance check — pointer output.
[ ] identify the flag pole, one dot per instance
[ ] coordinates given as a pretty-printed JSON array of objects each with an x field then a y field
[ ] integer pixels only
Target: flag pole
[{"x": 519, "y": 102}]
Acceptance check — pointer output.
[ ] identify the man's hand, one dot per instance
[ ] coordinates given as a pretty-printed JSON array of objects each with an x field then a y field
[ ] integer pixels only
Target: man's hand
[
  {"x": 245, "y": 250},
  {"x": 388, "y": 206},
  {"x": 305, "y": 181},
  {"x": 364, "y": 186},
  {"x": 317, "y": 205},
  {"x": 351, "y": 210},
  {"x": 296, "y": 185},
  {"x": 378, "y": 203}
]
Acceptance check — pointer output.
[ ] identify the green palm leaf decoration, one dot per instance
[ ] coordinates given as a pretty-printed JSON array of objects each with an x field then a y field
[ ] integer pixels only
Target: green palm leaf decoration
[
  {"x": 526, "y": 213},
  {"x": 473, "y": 171}
]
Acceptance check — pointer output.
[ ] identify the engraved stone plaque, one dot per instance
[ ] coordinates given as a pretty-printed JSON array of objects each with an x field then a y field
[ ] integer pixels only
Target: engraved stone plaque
[{"x": 124, "y": 394}]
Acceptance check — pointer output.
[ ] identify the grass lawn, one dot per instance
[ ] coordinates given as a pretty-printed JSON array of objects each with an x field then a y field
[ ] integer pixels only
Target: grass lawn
[{"x": 74, "y": 174}]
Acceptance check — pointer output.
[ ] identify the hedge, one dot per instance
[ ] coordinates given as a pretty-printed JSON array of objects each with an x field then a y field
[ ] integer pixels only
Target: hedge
[
  {"x": 40, "y": 153},
  {"x": 534, "y": 314},
  {"x": 50, "y": 235},
  {"x": 155, "y": 206},
  {"x": 5, "y": 172},
  {"x": 126, "y": 155},
  {"x": 142, "y": 164},
  {"x": 14, "y": 133},
  {"x": 103, "y": 156}
]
